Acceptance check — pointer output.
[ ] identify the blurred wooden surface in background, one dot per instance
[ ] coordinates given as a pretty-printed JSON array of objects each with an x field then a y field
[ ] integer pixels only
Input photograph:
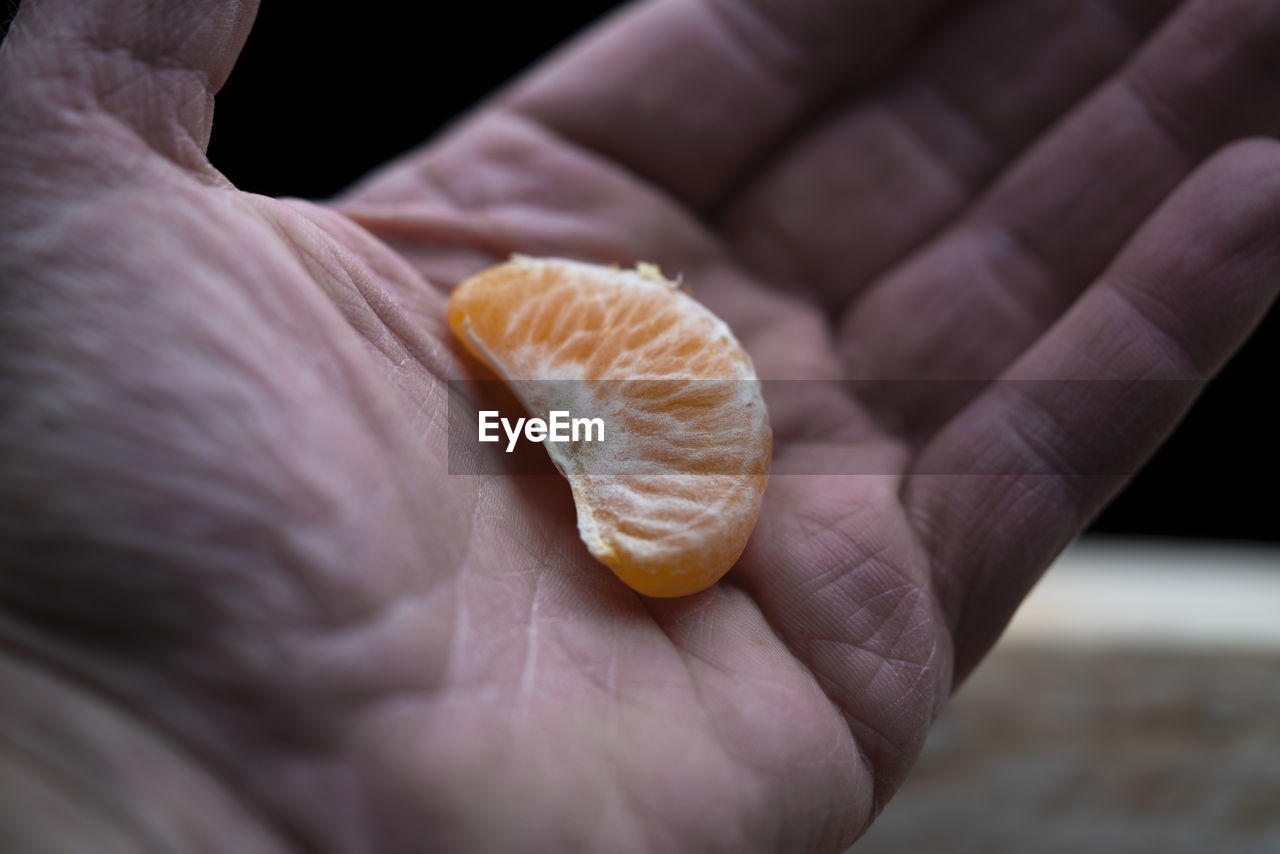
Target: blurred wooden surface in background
[{"x": 1078, "y": 735}]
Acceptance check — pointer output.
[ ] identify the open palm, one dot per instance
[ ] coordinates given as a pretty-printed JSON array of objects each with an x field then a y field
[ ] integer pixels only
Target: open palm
[{"x": 230, "y": 533}]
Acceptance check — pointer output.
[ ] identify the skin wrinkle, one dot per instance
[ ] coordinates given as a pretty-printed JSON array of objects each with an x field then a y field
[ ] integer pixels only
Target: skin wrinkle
[
  {"x": 130, "y": 550},
  {"x": 1029, "y": 493},
  {"x": 950, "y": 586},
  {"x": 486, "y": 223},
  {"x": 186, "y": 152},
  {"x": 909, "y": 680},
  {"x": 920, "y": 669},
  {"x": 704, "y": 251},
  {"x": 53, "y": 662},
  {"x": 1163, "y": 116},
  {"x": 1044, "y": 436},
  {"x": 986, "y": 154},
  {"x": 528, "y": 671},
  {"x": 838, "y": 555},
  {"x": 1011, "y": 258},
  {"x": 370, "y": 608},
  {"x": 685, "y": 653},
  {"x": 94, "y": 137},
  {"x": 875, "y": 645},
  {"x": 548, "y": 547},
  {"x": 401, "y": 229},
  {"x": 646, "y": 826},
  {"x": 640, "y": 806},
  {"x": 399, "y": 348},
  {"x": 1258, "y": 240},
  {"x": 1032, "y": 308},
  {"x": 692, "y": 681},
  {"x": 746, "y": 26},
  {"x": 863, "y": 734},
  {"x": 441, "y": 190},
  {"x": 460, "y": 633},
  {"x": 586, "y": 667},
  {"x": 1179, "y": 362},
  {"x": 726, "y": 750},
  {"x": 419, "y": 336},
  {"x": 910, "y": 590},
  {"x": 613, "y": 698},
  {"x": 866, "y": 605},
  {"x": 131, "y": 828},
  {"x": 832, "y": 686},
  {"x": 176, "y": 42},
  {"x": 146, "y": 79},
  {"x": 338, "y": 651}
]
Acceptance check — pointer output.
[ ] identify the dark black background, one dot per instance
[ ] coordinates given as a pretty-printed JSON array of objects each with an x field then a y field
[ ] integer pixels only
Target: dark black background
[{"x": 325, "y": 91}]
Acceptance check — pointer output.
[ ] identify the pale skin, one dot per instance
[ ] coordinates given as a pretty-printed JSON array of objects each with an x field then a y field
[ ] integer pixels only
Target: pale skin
[{"x": 243, "y": 605}]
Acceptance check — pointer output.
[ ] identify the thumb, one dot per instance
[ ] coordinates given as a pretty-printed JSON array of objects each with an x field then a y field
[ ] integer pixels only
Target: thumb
[{"x": 154, "y": 65}]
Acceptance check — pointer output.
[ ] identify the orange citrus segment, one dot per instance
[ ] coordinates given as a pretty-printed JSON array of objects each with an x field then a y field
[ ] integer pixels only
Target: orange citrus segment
[{"x": 669, "y": 499}]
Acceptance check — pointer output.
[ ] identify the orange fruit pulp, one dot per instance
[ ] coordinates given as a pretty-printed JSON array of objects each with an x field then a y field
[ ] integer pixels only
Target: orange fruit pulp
[{"x": 669, "y": 498}]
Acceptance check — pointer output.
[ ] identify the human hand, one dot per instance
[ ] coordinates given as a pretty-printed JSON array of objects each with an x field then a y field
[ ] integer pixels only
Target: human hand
[{"x": 245, "y": 603}]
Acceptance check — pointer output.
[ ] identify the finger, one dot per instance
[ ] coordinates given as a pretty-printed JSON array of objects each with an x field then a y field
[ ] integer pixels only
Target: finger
[
  {"x": 1005, "y": 485},
  {"x": 995, "y": 281},
  {"x": 879, "y": 176},
  {"x": 686, "y": 93},
  {"x": 153, "y": 64}
]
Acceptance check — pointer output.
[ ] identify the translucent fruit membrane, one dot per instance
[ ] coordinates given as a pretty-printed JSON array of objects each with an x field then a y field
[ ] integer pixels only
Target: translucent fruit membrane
[{"x": 669, "y": 498}]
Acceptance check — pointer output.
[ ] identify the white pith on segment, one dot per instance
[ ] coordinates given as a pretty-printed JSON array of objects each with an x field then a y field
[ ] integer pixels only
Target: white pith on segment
[{"x": 633, "y": 506}]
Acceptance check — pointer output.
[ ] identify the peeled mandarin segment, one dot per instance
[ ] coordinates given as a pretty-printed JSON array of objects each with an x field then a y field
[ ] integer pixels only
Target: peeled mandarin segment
[{"x": 669, "y": 499}]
